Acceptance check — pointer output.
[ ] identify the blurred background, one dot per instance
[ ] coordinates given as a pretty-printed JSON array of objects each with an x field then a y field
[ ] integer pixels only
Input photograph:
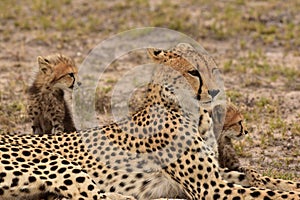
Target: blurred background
[{"x": 255, "y": 43}]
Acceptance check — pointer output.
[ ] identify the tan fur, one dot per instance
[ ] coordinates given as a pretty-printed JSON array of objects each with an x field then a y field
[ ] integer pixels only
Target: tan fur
[
  {"x": 84, "y": 165},
  {"x": 233, "y": 129},
  {"x": 178, "y": 63},
  {"x": 47, "y": 107}
]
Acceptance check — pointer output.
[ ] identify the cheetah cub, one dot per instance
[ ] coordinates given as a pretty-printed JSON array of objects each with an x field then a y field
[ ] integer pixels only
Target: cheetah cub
[
  {"x": 48, "y": 108},
  {"x": 233, "y": 128}
]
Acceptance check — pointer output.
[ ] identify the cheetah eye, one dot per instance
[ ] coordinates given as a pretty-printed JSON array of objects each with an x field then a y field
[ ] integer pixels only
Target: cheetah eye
[
  {"x": 71, "y": 74},
  {"x": 156, "y": 52},
  {"x": 194, "y": 73}
]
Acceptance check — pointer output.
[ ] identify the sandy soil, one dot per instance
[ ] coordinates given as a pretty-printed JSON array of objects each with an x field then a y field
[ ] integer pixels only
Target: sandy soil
[{"x": 260, "y": 68}]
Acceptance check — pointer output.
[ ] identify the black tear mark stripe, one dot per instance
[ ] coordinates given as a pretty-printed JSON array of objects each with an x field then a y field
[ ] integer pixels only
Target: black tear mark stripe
[{"x": 196, "y": 73}]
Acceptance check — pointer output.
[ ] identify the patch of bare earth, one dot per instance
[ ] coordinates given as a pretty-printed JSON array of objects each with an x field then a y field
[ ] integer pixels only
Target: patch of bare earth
[{"x": 256, "y": 44}]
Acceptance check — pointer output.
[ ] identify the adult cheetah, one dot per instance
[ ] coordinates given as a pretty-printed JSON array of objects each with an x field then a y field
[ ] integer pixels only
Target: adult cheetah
[
  {"x": 137, "y": 156},
  {"x": 233, "y": 123}
]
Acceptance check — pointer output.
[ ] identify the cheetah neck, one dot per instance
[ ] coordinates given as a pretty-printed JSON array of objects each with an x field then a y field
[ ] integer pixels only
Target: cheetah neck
[
  {"x": 37, "y": 89},
  {"x": 161, "y": 95},
  {"x": 223, "y": 139}
]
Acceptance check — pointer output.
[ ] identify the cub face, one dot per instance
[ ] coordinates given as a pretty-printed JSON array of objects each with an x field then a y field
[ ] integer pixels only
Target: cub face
[
  {"x": 234, "y": 126},
  {"x": 57, "y": 71}
]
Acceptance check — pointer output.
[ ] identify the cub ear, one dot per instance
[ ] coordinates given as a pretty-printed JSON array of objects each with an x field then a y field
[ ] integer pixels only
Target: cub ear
[{"x": 44, "y": 65}]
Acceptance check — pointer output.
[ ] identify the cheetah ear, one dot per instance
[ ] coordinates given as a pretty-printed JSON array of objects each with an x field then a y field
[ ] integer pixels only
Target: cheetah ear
[
  {"x": 44, "y": 65},
  {"x": 154, "y": 54}
]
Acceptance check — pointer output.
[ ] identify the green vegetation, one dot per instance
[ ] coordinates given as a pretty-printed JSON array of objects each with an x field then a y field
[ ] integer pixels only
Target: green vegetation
[
  {"x": 220, "y": 21},
  {"x": 281, "y": 175},
  {"x": 256, "y": 44}
]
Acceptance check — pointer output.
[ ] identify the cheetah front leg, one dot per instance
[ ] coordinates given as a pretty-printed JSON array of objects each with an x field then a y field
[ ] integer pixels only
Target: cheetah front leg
[
  {"x": 249, "y": 177},
  {"x": 257, "y": 180},
  {"x": 34, "y": 115},
  {"x": 56, "y": 118},
  {"x": 234, "y": 177}
]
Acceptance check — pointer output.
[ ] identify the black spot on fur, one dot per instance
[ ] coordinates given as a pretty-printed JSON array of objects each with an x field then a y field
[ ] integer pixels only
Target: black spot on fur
[
  {"x": 80, "y": 179},
  {"x": 255, "y": 194}
]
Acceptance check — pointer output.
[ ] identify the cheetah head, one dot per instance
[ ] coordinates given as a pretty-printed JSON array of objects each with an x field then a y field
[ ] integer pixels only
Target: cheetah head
[
  {"x": 187, "y": 70},
  {"x": 57, "y": 71},
  {"x": 234, "y": 126}
]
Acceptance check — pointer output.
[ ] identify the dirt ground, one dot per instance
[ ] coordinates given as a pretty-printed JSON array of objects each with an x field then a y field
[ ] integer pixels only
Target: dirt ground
[{"x": 256, "y": 44}]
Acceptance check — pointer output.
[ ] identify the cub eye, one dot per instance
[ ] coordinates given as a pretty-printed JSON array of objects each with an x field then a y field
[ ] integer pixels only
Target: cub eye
[
  {"x": 71, "y": 74},
  {"x": 194, "y": 73}
]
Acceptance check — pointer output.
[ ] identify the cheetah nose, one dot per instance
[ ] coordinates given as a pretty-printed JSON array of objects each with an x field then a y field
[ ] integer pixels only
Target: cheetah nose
[
  {"x": 246, "y": 132},
  {"x": 79, "y": 83},
  {"x": 213, "y": 93}
]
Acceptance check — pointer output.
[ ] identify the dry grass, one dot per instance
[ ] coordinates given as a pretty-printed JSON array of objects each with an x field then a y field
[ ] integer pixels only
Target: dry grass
[{"x": 256, "y": 43}]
